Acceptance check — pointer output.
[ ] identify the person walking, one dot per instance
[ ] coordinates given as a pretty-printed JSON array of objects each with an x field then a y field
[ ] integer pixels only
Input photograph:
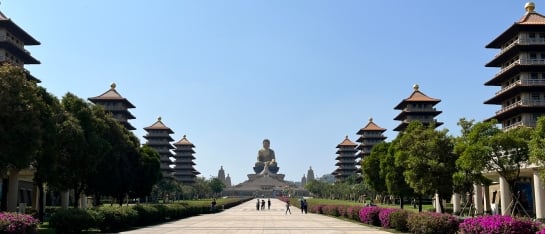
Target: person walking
[
  {"x": 288, "y": 207},
  {"x": 302, "y": 205},
  {"x": 269, "y": 203},
  {"x": 305, "y": 205},
  {"x": 262, "y": 204},
  {"x": 257, "y": 205}
]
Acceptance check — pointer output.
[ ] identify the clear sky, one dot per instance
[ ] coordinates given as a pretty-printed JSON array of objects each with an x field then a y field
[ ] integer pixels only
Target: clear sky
[{"x": 303, "y": 74}]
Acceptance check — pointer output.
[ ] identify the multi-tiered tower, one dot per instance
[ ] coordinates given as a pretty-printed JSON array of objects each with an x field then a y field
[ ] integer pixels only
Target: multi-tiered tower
[
  {"x": 183, "y": 154},
  {"x": 310, "y": 174},
  {"x": 417, "y": 107},
  {"x": 346, "y": 160},
  {"x": 159, "y": 138},
  {"x": 370, "y": 135},
  {"x": 521, "y": 78},
  {"x": 13, "y": 40},
  {"x": 117, "y": 105}
]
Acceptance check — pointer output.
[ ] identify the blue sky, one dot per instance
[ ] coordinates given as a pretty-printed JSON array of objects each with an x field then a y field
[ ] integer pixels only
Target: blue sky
[{"x": 303, "y": 74}]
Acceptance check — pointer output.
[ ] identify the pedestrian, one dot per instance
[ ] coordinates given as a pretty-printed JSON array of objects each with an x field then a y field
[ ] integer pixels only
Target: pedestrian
[
  {"x": 302, "y": 205},
  {"x": 269, "y": 203},
  {"x": 262, "y": 204},
  {"x": 257, "y": 205},
  {"x": 288, "y": 207},
  {"x": 213, "y": 207},
  {"x": 305, "y": 205}
]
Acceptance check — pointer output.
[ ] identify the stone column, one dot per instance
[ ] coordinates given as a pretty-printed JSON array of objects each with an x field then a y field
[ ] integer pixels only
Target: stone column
[
  {"x": 13, "y": 190},
  {"x": 505, "y": 196},
  {"x": 478, "y": 198},
  {"x": 65, "y": 199},
  {"x": 487, "y": 208},
  {"x": 83, "y": 201},
  {"x": 539, "y": 195},
  {"x": 456, "y": 206},
  {"x": 437, "y": 203}
]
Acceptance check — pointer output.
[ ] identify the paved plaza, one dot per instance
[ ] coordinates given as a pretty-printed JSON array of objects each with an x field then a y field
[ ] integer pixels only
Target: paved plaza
[{"x": 244, "y": 219}]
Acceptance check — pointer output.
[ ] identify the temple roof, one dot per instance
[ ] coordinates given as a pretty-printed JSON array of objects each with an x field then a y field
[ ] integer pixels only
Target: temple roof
[
  {"x": 112, "y": 95},
  {"x": 371, "y": 126},
  {"x": 346, "y": 142},
  {"x": 26, "y": 38},
  {"x": 159, "y": 125},
  {"x": 416, "y": 96},
  {"x": 184, "y": 141},
  {"x": 530, "y": 20}
]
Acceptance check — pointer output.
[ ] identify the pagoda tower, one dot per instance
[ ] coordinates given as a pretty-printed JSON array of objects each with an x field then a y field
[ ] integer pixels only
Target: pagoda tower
[
  {"x": 221, "y": 175},
  {"x": 183, "y": 154},
  {"x": 521, "y": 78},
  {"x": 115, "y": 104},
  {"x": 370, "y": 135},
  {"x": 158, "y": 137},
  {"x": 228, "y": 181},
  {"x": 13, "y": 40},
  {"x": 417, "y": 107},
  {"x": 303, "y": 181},
  {"x": 310, "y": 175},
  {"x": 346, "y": 160}
]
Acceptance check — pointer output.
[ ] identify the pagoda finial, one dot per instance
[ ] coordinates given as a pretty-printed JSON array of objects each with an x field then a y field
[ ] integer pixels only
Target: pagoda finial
[
  {"x": 346, "y": 137},
  {"x": 530, "y": 6},
  {"x": 415, "y": 87},
  {"x": 159, "y": 118},
  {"x": 184, "y": 135},
  {"x": 112, "y": 85},
  {"x": 370, "y": 119}
]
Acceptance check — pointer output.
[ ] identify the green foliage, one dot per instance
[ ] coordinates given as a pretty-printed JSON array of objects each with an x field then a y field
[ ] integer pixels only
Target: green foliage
[
  {"x": 216, "y": 185},
  {"x": 537, "y": 145},
  {"x": 432, "y": 223},
  {"x": 398, "y": 220},
  {"x": 370, "y": 167},
  {"x": 73, "y": 220},
  {"x": 117, "y": 218}
]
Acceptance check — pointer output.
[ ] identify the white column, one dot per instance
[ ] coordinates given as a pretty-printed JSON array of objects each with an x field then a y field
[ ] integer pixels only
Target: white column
[
  {"x": 539, "y": 195},
  {"x": 64, "y": 199},
  {"x": 437, "y": 203},
  {"x": 505, "y": 196},
  {"x": 456, "y": 205},
  {"x": 83, "y": 201},
  {"x": 487, "y": 208},
  {"x": 35, "y": 197},
  {"x": 13, "y": 190},
  {"x": 478, "y": 198}
]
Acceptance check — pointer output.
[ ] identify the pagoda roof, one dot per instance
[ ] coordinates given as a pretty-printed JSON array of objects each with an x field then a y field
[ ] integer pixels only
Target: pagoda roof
[
  {"x": 26, "y": 38},
  {"x": 371, "y": 126},
  {"x": 159, "y": 125},
  {"x": 530, "y": 20},
  {"x": 184, "y": 141},
  {"x": 346, "y": 142},
  {"x": 111, "y": 95},
  {"x": 416, "y": 96}
]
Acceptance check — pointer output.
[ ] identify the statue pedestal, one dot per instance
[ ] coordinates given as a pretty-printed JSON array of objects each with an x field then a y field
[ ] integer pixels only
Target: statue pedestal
[{"x": 279, "y": 177}]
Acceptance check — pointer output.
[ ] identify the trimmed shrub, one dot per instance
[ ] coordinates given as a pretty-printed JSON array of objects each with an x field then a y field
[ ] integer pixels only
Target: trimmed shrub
[
  {"x": 498, "y": 224},
  {"x": 353, "y": 212},
  {"x": 18, "y": 223},
  {"x": 341, "y": 210},
  {"x": 384, "y": 216},
  {"x": 369, "y": 215},
  {"x": 398, "y": 220},
  {"x": 330, "y": 210},
  {"x": 431, "y": 223},
  {"x": 117, "y": 218},
  {"x": 317, "y": 209},
  {"x": 72, "y": 220}
]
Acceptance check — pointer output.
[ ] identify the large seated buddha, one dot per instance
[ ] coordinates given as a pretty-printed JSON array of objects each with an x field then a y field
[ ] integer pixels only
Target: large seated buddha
[{"x": 265, "y": 157}]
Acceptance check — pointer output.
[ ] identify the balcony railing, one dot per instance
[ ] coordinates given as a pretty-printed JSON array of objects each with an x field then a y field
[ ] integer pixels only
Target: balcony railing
[
  {"x": 519, "y": 124},
  {"x": 524, "y": 82},
  {"x": 527, "y": 41},
  {"x": 522, "y": 62},
  {"x": 523, "y": 102}
]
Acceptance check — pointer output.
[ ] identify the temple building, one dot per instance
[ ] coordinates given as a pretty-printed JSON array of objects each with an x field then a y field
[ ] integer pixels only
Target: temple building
[
  {"x": 521, "y": 100},
  {"x": 310, "y": 175},
  {"x": 225, "y": 180},
  {"x": 228, "y": 181},
  {"x": 115, "y": 104},
  {"x": 418, "y": 107},
  {"x": 13, "y": 40},
  {"x": 346, "y": 160},
  {"x": 303, "y": 181},
  {"x": 184, "y": 170},
  {"x": 158, "y": 137},
  {"x": 370, "y": 135}
]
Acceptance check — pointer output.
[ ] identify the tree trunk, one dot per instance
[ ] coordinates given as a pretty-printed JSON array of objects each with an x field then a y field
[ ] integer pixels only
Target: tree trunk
[
  {"x": 401, "y": 203},
  {"x": 419, "y": 203},
  {"x": 77, "y": 193},
  {"x": 442, "y": 209},
  {"x": 41, "y": 205}
]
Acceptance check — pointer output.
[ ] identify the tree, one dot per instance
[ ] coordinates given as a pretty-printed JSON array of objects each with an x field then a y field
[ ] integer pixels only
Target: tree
[
  {"x": 428, "y": 158},
  {"x": 490, "y": 149},
  {"x": 148, "y": 172},
  {"x": 216, "y": 186},
  {"x": 537, "y": 146},
  {"x": 392, "y": 172},
  {"x": 370, "y": 167}
]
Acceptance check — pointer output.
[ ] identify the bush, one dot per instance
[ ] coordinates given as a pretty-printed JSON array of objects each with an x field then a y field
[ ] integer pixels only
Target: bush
[
  {"x": 498, "y": 224},
  {"x": 369, "y": 215},
  {"x": 330, "y": 210},
  {"x": 116, "y": 218},
  {"x": 398, "y": 220},
  {"x": 341, "y": 210},
  {"x": 317, "y": 209},
  {"x": 18, "y": 223},
  {"x": 431, "y": 223},
  {"x": 72, "y": 220},
  {"x": 353, "y": 212},
  {"x": 384, "y": 216}
]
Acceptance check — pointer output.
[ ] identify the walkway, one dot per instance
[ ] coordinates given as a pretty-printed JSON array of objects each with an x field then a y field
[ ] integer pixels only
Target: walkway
[{"x": 244, "y": 219}]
